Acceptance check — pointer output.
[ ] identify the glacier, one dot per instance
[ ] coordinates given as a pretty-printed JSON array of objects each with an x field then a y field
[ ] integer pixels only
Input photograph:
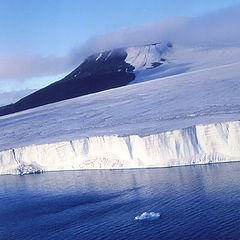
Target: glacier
[
  {"x": 183, "y": 112},
  {"x": 200, "y": 144}
]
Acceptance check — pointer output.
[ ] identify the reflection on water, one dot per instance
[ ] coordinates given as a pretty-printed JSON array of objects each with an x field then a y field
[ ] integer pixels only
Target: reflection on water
[{"x": 194, "y": 202}]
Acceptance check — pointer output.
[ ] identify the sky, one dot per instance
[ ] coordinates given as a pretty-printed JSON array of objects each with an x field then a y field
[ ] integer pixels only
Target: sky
[{"x": 41, "y": 41}]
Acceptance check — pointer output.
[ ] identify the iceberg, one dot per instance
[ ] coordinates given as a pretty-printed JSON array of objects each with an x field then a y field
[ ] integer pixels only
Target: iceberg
[{"x": 148, "y": 216}]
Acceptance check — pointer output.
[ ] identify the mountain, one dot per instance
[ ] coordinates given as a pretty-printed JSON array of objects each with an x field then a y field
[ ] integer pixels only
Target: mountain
[
  {"x": 96, "y": 73},
  {"x": 185, "y": 111}
]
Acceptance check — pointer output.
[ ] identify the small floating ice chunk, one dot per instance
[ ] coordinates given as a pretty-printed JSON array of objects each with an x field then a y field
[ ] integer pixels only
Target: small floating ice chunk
[
  {"x": 29, "y": 169},
  {"x": 148, "y": 216}
]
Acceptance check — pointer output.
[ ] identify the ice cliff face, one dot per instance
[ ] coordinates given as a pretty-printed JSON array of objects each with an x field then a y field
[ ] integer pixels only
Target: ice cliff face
[{"x": 199, "y": 144}]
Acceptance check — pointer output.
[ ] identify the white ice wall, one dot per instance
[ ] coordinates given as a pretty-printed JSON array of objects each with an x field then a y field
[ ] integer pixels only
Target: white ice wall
[{"x": 193, "y": 145}]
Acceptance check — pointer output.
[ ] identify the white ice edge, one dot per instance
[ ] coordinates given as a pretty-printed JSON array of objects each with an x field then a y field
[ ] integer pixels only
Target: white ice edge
[{"x": 199, "y": 144}]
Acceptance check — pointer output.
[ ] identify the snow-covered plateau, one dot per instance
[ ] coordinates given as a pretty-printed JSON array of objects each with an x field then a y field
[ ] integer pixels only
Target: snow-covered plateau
[{"x": 187, "y": 114}]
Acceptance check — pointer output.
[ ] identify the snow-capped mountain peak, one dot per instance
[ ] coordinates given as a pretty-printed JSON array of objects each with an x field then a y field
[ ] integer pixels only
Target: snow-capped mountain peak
[
  {"x": 99, "y": 72},
  {"x": 139, "y": 57}
]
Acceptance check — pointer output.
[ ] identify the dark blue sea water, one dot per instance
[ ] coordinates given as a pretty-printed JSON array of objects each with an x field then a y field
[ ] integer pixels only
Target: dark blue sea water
[{"x": 199, "y": 202}]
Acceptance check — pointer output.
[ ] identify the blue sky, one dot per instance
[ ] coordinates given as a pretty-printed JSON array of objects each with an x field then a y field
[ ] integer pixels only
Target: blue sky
[
  {"x": 53, "y": 27},
  {"x": 43, "y": 30}
]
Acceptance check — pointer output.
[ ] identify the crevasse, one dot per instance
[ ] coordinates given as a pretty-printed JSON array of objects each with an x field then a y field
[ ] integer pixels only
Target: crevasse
[{"x": 198, "y": 144}]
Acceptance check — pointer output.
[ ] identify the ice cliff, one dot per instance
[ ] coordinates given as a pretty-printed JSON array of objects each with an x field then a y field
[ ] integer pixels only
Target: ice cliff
[{"x": 198, "y": 144}]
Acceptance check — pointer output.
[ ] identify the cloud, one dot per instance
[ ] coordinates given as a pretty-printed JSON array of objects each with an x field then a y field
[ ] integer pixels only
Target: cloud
[
  {"x": 26, "y": 66},
  {"x": 13, "y": 96},
  {"x": 219, "y": 27},
  {"x": 215, "y": 28}
]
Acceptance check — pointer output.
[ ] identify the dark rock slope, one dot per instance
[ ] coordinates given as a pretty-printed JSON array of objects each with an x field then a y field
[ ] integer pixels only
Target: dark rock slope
[{"x": 97, "y": 73}]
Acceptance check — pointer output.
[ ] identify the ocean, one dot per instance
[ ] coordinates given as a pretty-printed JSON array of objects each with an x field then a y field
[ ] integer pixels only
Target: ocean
[{"x": 192, "y": 202}]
